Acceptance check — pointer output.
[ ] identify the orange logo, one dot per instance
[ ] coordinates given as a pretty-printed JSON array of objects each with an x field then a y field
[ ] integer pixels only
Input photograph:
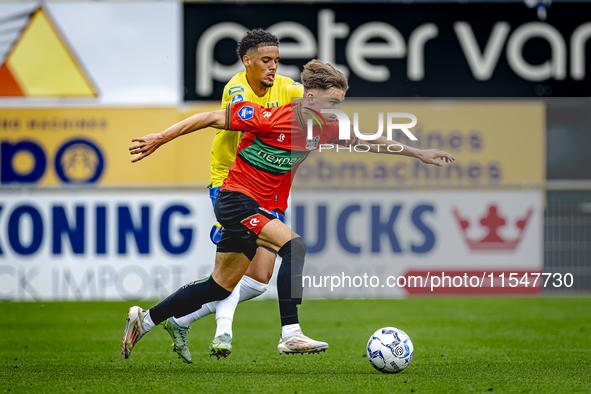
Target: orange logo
[{"x": 40, "y": 63}]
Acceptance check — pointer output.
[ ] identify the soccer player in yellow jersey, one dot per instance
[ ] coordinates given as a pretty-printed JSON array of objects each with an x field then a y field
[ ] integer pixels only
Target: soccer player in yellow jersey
[{"x": 259, "y": 83}]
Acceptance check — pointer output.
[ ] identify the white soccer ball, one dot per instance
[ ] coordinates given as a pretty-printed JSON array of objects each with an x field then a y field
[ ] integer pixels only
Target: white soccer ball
[{"x": 389, "y": 350}]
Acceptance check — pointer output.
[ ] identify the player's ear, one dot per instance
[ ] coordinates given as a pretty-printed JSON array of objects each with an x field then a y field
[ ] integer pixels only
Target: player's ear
[
  {"x": 246, "y": 60},
  {"x": 310, "y": 96}
]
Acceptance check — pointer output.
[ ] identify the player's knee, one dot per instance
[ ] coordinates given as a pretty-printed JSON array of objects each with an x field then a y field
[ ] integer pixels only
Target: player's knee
[
  {"x": 268, "y": 277},
  {"x": 298, "y": 246},
  {"x": 295, "y": 247},
  {"x": 260, "y": 271}
]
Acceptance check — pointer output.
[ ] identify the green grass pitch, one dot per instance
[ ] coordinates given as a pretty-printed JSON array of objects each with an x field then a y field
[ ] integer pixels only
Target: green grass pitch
[{"x": 519, "y": 345}]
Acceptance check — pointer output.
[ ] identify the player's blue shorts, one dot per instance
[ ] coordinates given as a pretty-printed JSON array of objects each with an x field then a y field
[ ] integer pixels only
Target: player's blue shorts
[{"x": 216, "y": 231}]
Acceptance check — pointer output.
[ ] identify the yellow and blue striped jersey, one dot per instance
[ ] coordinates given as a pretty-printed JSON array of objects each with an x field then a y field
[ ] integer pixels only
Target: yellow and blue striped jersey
[{"x": 225, "y": 143}]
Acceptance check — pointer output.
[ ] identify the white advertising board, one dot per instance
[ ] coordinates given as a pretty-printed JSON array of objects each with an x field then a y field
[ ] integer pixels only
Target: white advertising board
[
  {"x": 392, "y": 234},
  {"x": 88, "y": 245},
  {"x": 100, "y": 245}
]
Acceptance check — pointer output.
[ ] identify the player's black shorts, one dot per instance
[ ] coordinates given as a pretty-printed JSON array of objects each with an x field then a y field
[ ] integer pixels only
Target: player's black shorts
[{"x": 242, "y": 219}]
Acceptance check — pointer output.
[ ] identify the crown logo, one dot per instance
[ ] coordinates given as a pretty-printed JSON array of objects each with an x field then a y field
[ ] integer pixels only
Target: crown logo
[{"x": 492, "y": 241}]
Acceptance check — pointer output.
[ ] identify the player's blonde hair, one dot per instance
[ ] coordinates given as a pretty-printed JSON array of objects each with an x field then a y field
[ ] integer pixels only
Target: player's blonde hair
[{"x": 319, "y": 75}]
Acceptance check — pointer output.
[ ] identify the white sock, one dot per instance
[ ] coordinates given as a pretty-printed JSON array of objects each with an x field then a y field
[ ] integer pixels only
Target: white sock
[
  {"x": 225, "y": 311},
  {"x": 246, "y": 289},
  {"x": 251, "y": 288},
  {"x": 205, "y": 310},
  {"x": 147, "y": 323},
  {"x": 224, "y": 325},
  {"x": 288, "y": 330}
]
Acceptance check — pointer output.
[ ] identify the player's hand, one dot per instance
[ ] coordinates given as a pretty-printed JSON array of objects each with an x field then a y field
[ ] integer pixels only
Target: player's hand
[
  {"x": 145, "y": 146},
  {"x": 431, "y": 156}
]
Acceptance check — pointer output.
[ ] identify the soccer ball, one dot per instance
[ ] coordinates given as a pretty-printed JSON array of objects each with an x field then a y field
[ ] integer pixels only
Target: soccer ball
[{"x": 389, "y": 350}]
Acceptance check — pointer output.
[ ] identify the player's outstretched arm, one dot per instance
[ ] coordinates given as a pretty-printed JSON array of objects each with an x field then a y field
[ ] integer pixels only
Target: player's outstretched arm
[
  {"x": 148, "y": 144},
  {"x": 428, "y": 156}
]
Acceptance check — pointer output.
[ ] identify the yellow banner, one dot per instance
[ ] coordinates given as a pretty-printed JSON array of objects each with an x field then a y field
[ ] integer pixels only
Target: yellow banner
[
  {"x": 51, "y": 147},
  {"x": 494, "y": 142}
]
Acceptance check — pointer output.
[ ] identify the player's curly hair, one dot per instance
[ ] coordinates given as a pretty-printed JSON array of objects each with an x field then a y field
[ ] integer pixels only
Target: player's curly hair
[
  {"x": 256, "y": 39},
  {"x": 319, "y": 75}
]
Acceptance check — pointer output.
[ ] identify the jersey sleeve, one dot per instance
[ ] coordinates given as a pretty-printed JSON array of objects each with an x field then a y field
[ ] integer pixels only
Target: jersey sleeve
[
  {"x": 244, "y": 116},
  {"x": 225, "y": 98}
]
